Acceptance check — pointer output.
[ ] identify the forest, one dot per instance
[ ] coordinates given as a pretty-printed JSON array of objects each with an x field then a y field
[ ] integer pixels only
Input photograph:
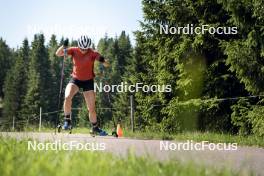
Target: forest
[{"x": 217, "y": 81}]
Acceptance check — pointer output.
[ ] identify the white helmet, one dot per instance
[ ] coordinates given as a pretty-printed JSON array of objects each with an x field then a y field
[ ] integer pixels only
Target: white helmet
[{"x": 84, "y": 42}]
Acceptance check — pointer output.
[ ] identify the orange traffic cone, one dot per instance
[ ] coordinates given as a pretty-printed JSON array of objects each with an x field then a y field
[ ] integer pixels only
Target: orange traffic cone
[{"x": 119, "y": 130}]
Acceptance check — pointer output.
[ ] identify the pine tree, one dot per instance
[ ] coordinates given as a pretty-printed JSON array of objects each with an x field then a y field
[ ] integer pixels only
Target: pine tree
[
  {"x": 39, "y": 80},
  {"x": 55, "y": 63},
  {"x": 124, "y": 51},
  {"x": 104, "y": 76},
  {"x": 15, "y": 87},
  {"x": 125, "y": 67},
  {"x": 5, "y": 63},
  {"x": 194, "y": 65}
]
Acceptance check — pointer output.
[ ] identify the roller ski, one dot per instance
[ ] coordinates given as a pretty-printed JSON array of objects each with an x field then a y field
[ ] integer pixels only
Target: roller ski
[
  {"x": 96, "y": 131},
  {"x": 101, "y": 132}
]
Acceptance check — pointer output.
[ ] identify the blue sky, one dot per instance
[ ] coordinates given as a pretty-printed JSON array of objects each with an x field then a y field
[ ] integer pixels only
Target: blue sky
[{"x": 69, "y": 18}]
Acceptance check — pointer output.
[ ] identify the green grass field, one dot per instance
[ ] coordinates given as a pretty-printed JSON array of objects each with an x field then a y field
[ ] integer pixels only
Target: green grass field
[
  {"x": 16, "y": 159},
  {"x": 250, "y": 140}
]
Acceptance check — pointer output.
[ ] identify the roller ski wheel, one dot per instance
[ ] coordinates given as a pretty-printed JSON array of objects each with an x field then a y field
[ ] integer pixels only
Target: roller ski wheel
[
  {"x": 114, "y": 134},
  {"x": 59, "y": 128}
]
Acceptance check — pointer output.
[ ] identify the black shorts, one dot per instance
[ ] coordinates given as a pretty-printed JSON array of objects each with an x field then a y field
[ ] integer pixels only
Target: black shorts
[{"x": 84, "y": 85}]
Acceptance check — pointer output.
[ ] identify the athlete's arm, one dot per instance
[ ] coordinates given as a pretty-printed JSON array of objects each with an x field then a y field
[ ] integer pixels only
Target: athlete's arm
[
  {"x": 104, "y": 61},
  {"x": 59, "y": 51}
]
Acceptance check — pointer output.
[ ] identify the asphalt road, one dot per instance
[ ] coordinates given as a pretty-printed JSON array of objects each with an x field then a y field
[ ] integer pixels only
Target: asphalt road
[{"x": 243, "y": 158}]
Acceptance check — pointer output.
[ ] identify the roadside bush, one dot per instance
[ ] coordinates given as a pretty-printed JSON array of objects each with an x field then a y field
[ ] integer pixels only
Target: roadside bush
[
  {"x": 248, "y": 118},
  {"x": 239, "y": 117},
  {"x": 257, "y": 120}
]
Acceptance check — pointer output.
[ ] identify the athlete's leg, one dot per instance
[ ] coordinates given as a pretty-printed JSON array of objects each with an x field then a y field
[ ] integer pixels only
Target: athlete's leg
[
  {"x": 90, "y": 102},
  {"x": 89, "y": 97},
  {"x": 70, "y": 91}
]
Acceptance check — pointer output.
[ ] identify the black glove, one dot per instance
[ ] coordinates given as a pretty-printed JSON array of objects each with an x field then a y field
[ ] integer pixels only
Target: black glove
[{"x": 66, "y": 43}]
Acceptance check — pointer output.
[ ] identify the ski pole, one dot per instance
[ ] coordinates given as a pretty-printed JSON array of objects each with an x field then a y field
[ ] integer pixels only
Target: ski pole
[{"x": 65, "y": 44}]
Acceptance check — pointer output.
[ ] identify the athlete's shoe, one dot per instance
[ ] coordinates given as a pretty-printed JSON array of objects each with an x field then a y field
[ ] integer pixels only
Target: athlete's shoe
[
  {"x": 67, "y": 124},
  {"x": 97, "y": 131}
]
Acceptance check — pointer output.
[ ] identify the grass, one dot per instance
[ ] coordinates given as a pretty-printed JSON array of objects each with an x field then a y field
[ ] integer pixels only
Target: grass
[
  {"x": 16, "y": 159},
  {"x": 250, "y": 140}
]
